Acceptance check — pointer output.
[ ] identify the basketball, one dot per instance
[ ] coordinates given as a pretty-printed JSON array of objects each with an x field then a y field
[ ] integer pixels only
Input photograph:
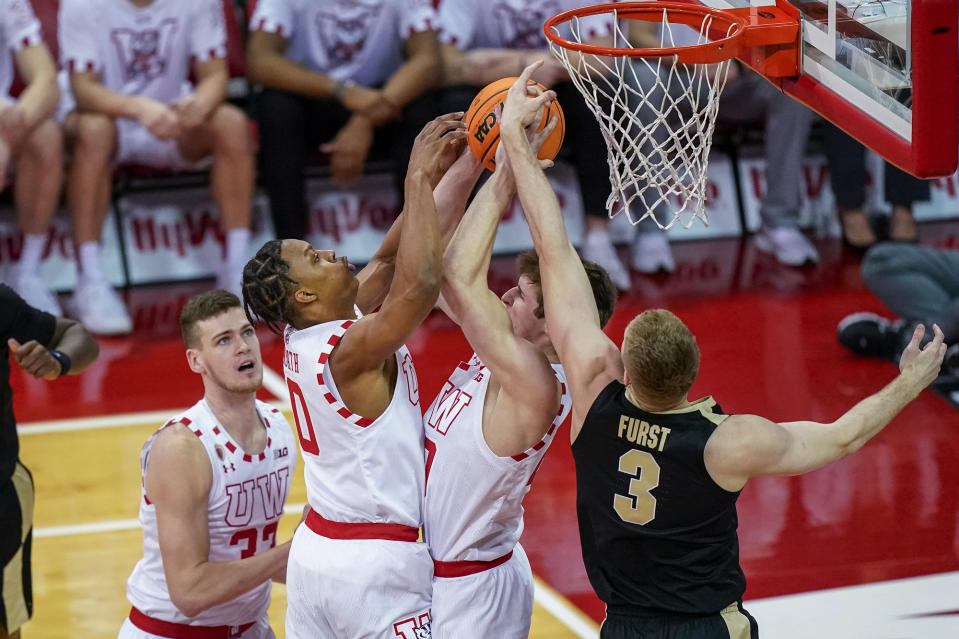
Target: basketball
[{"x": 480, "y": 120}]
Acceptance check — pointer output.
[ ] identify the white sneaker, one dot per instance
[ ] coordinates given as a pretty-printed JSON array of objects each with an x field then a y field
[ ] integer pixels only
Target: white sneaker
[
  {"x": 99, "y": 308},
  {"x": 598, "y": 248},
  {"x": 651, "y": 253},
  {"x": 32, "y": 288},
  {"x": 788, "y": 244}
]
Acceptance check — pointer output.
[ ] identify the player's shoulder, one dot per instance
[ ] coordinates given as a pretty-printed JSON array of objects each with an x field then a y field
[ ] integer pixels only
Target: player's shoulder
[{"x": 743, "y": 436}]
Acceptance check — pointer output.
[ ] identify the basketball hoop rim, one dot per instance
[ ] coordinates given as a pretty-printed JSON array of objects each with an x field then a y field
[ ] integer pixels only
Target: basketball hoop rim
[{"x": 690, "y": 14}]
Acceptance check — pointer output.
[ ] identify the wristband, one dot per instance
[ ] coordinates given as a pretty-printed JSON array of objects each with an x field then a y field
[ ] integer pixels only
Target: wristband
[
  {"x": 63, "y": 359},
  {"x": 341, "y": 87}
]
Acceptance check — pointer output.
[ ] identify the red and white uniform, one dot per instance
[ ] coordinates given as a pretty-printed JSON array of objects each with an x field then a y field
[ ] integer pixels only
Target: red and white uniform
[
  {"x": 144, "y": 51},
  {"x": 245, "y": 505},
  {"x": 19, "y": 29},
  {"x": 355, "y": 567},
  {"x": 359, "y": 40},
  {"x": 511, "y": 24},
  {"x": 473, "y": 514}
]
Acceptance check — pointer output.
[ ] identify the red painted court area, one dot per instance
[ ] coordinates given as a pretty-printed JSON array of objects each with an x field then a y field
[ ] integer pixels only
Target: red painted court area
[{"x": 767, "y": 335}]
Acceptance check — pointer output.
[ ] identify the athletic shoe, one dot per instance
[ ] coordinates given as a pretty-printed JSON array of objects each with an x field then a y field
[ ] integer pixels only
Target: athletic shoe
[
  {"x": 34, "y": 291},
  {"x": 787, "y": 244},
  {"x": 598, "y": 248},
  {"x": 651, "y": 253},
  {"x": 870, "y": 335},
  {"x": 99, "y": 308}
]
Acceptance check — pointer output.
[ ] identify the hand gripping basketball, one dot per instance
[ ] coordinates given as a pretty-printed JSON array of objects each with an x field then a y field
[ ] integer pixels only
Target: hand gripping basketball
[{"x": 481, "y": 121}]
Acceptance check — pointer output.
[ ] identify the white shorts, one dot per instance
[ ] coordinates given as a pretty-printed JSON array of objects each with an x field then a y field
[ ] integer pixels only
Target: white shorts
[
  {"x": 260, "y": 630},
  {"x": 136, "y": 145},
  {"x": 494, "y": 603},
  {"x": 357, "y": 588}
]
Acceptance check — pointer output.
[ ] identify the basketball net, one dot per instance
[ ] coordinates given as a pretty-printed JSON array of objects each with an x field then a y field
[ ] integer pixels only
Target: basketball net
[{"x": 657, "y": 115}]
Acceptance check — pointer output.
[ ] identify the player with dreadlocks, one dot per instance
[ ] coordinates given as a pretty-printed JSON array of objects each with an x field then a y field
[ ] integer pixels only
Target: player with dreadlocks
[{"x": 355, "y": 398}]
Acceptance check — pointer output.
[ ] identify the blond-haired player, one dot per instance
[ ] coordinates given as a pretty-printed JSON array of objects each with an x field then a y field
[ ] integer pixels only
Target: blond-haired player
[{"x": 658, "y": 474}]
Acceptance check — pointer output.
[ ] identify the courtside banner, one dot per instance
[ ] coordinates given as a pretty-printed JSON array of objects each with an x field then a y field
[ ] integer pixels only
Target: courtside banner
[
  {"x": 354, "y": 221},
  {"x": 58, "y": 267},
  {"x": 817, "y": 205},
  {"x": 175, "y": 234}
]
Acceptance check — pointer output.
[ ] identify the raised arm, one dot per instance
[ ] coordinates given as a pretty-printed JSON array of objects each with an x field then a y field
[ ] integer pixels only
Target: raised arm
[
  {"x": 590, "y": 359},
  {"x": 529, "y": 393},
  {"x": 745, "y": 446},
  {"x": 178, "y": 480},
  {"x": 450, "y": 195},
  {"x": 415, "y": 286}
]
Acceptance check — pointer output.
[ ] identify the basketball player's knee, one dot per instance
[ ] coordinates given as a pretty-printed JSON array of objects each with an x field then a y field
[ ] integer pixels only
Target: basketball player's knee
[
  {"x": 233, "y": 130},
  {"x": 96, "y": 135},
  {"x": 46, "y": 142}
]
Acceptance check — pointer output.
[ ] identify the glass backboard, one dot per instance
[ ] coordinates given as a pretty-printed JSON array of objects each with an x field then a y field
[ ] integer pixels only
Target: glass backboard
[{"x": 885, "y": 71}]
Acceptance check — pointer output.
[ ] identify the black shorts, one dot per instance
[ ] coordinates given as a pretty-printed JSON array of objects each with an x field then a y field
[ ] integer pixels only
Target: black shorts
[
  {"x": 16, "y": 535},
  {"x": 733, "y": 622}
]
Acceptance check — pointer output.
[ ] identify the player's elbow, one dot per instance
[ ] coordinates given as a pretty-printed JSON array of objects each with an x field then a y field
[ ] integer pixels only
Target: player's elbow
[{"x": 190, "y": 604}]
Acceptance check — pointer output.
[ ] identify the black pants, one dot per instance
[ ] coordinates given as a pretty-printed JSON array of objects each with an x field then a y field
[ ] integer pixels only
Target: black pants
[
  {"x": 583, "y": 144},
  {"x": 292, "y": 126},
  {"x": 731, "y": 623},
  {"x": 16, "y": 536},
  {"x": 847, "y": 170}
]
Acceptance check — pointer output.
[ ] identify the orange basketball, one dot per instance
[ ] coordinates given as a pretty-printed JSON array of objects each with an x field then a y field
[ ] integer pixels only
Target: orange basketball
[{"x": 484, "y": 131}]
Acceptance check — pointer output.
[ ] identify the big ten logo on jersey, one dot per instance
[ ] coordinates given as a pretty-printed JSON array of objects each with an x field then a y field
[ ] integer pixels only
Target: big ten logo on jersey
[
  {"x": 417, "y": 627},
  {"x": 144, "y": 55},
  {"x": 344, "y": 28},
  {"x": 412, "y": 385},
  {"x": 522, "y": 27},
  {"x": 447, "y": 408}
]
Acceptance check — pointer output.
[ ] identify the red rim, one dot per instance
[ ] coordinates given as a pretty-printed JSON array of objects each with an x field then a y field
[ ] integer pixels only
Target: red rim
[{"x": 679, "y": 13}]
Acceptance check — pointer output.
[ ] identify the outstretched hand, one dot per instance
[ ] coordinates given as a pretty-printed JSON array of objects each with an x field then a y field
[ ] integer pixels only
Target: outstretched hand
[
  {"x": 437, "y": 146},
  {"x": 524, "y": 102},
  {"x": 923, "y": 364},
  {"x": 536, "y": 140}
]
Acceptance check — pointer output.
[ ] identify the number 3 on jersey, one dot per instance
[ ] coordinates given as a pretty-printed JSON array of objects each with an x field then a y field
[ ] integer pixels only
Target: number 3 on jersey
[{"x": 640, "y": 507}]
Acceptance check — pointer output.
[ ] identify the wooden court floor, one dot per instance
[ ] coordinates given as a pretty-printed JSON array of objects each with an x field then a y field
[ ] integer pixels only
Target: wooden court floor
[{"x": 87, "y": 539}]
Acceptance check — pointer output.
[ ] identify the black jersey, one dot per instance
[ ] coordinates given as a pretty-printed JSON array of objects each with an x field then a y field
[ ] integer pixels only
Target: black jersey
[
  {"x": 22, "y": 322},
  {"x": 658, "y": 534}
]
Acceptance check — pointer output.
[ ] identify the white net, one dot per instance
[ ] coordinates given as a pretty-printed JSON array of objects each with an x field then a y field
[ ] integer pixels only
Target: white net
[{"x": 657, "y": 116}]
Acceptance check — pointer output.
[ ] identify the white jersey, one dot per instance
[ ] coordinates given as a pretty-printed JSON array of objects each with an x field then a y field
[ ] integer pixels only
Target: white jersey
[
  {"x": 246, "y": 501},
  {"x": 144, "y": 51},
  {"x": 511, "y": 24},
  {"x": 360, "y": 40},
  {"x": 474, "y": 498},
  {"x": 19, "y": 29},
  {"x": 357, "y": 470}
]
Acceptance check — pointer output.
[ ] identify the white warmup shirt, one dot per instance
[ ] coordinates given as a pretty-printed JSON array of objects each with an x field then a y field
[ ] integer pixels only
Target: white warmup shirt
[
  {"x": 145, "y": 51},
  {"x": 359, "y": 40}
]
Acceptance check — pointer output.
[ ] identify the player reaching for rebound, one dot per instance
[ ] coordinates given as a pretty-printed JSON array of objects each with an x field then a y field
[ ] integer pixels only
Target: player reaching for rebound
[
  {"x": 355, "y": 569},
  {"x": 489, "y": 427},
  {"x": 215, "y": 479},
  {"x": 658, "y": 475}
]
